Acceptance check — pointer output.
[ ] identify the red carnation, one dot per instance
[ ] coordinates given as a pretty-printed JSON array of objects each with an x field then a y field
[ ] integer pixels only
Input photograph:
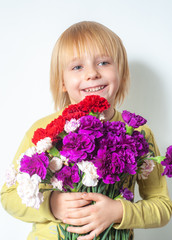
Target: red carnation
[
  {"x": 94, "y": 103},
  {"x": 39, "y": 134},
  {"x": 73, "y": 111},
  {"x": 55, "y": 127}
]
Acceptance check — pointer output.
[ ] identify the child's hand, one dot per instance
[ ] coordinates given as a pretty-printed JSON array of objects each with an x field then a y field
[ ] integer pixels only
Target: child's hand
[
  {"x": 94, "y": 219},
  {"x": 62, "y": 203}
]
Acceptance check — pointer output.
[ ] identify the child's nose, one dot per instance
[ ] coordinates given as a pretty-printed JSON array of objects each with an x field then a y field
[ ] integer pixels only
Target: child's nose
[{"x": 92, "y": 74}]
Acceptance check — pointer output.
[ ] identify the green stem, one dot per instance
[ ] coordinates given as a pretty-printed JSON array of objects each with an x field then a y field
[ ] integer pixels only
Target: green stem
[{"x": 107, "y": 231}]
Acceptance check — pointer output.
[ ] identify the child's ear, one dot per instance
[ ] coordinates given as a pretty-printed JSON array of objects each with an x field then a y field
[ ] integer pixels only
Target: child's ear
[{"x": 64, "y": 88}]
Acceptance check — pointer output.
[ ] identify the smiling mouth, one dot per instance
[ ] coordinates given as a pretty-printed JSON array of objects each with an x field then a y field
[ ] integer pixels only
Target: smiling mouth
[{"x": 94, "y": 89}]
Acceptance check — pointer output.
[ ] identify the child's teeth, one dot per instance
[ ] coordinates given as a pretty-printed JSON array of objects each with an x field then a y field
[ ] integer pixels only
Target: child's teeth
[{"x": 94, "y": 89}]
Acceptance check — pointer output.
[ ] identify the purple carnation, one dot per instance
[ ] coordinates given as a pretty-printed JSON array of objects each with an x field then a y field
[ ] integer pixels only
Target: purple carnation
[
  {"x": 132, "y": 119},
  {"x": 116, "y": 128},
  {"x": 168, "y": 162},
  {"x": 127, "y": 194},
  {"x": 109, "y": 166},
  {"x": 77, "y": 146},
  {"x": 127, "y": 156},
  {"x": 110, "y": 140},
  {"x": 37, "y": 164},
  {"x": 141, "y": 144},
  {"x": 68, "y": 175},
  {"x": 91, "y": 125}
]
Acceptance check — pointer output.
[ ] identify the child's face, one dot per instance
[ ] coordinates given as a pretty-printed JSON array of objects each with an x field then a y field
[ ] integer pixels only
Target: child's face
[{"x": 91, "y": 74}]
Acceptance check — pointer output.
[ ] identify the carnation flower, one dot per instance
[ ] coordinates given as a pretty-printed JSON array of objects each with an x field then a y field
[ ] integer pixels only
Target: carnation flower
[
  {"x": 109, "y": 166},
  {"x": 56, "y": 183},
  {"x": 28, "y": 190},
  {"x": 127, "y": 194},
  {"x": 39, "y": 134},
  {"x": 132, "y": 119},
  {"x": 90, "y": 178},
  {"x": 73, "y": 111},
  {"x": 55, "y": 127},
  {"x": 168, "y": 162},
  {"x": 71, "y": 125},
  {"x": 38, "y": 164},
  {"x": 77, "y": 146},
  {"x": 117, "y": 128},
  {"x": 94, "y": 103},
  {"x": 10, "y": 176},
  {"x": 44, "y": 145},
  {"x": 55, "y": 164},
  {"x": 145, "y": 169},
  {"x": 91, "y": 125},
  {"x": 141, "y": 144},
  {"x": 68, "y": 175}
]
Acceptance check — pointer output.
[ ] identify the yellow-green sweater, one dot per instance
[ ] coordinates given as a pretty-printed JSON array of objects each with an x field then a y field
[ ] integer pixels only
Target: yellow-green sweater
[{"x": 153, "y": 211}]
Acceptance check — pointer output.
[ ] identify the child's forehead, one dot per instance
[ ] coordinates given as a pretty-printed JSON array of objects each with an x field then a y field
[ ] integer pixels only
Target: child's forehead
[{"x": 84, "y": 53}]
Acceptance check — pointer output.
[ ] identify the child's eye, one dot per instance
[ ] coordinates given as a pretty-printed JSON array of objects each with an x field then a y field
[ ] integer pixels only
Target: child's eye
[
  {"x": 103, "y": 63},
  {"x": 77, "y": 67}
]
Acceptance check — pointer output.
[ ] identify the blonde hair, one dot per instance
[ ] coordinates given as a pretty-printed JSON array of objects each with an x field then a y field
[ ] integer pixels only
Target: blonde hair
[{"x": 86, "y": 36}]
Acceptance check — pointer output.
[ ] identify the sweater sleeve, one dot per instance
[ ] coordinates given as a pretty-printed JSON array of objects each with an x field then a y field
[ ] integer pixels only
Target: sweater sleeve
[
  {"x": 12, "y": 202},
  {"x": 155, "y": 209}
]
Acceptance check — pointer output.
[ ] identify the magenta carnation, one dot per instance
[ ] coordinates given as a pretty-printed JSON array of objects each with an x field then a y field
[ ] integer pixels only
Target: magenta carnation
[
  {"x": 168, "y": 162},
  {"x": 91, "y": 125},
  {"x": 77, "y": 146},
  {"x": 37, "y": 164},
  {"x": 141, "y": 144},
  {"x": 68, "y": 175},
  {"x": 132, "y": 119},
  {"x": 109, "y": 166},
  {"x": 127, "y": 194}
]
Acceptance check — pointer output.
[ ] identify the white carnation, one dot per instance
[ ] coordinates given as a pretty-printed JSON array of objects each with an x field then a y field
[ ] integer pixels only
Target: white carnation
[
  {"x": 145, "y": 169},
  {"x": 71, "y": 125},
  {"x": 10, "y": 176},
  {"x": 44, "y": 145},
  {"x": 56, "y": 183},
  {"x": 28, "y": 190},
  {"x": 30, "y": 151},
  {"x": 55, "y": 164},
  {"x": 90, "y": 178}
]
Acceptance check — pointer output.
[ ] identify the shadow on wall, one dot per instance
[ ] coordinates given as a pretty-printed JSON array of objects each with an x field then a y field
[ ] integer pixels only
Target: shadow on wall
[{"x": 147, "y": 96}]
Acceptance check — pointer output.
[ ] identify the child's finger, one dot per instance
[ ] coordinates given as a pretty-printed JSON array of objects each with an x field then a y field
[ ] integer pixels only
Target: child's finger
[
  {"x": 77, "y": 221},
  {"x": 73, "y": 196},
  {"x": 92, "y": 196},
  {"x": 77, "y": 203}
]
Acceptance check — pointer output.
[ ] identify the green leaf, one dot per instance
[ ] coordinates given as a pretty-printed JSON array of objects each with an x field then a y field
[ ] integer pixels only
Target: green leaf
[
  {"x": 62, "y": 229},
  {"x": 143, "y": 133},
  {"x": 54, "y": 152},
  {"x": 94, "y": 238},
  {"x": 129, "y": 129},
  {"x": 93, "y": 114},
  {"x": 107, "y": 231},
  {"x": 151, "y": 144},
  {"x": 59, "y": 237},
  {"x": 62, "y": 134}
]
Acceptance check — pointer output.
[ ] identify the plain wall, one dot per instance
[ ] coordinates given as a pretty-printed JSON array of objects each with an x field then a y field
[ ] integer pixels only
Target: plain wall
[{"x": 28, "y": 32}]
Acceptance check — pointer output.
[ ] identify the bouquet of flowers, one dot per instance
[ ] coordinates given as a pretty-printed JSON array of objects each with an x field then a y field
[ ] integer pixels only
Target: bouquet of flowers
[{"x": 79, "y": 151}]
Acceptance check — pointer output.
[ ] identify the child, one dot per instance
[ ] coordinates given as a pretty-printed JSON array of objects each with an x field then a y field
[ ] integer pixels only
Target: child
[{"x": 89, "y": 59}]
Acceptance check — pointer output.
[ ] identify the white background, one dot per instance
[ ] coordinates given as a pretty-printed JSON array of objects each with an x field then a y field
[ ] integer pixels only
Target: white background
[{"x": 28, "y": 32}]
